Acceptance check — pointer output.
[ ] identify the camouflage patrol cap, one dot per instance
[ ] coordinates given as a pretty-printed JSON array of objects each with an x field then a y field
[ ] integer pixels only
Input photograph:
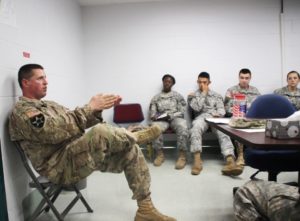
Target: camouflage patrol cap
[{"x": 170, "y": 76}]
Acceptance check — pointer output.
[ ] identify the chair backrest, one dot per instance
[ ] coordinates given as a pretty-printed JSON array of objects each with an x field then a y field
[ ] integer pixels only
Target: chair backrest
[
  {"x": 270, "y": 106},
  {"x": 128, "y": 113}
]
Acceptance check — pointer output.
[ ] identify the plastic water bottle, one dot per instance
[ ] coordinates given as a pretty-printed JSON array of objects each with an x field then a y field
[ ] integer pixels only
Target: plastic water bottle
[{"x": 239, "y": 107}]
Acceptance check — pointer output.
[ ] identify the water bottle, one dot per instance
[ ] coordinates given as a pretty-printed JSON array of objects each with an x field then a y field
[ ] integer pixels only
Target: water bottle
[{"x": 239, "y": 107}]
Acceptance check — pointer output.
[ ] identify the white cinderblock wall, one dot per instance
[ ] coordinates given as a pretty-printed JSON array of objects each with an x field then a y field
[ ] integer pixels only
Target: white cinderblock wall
[
  {"x": 126, "y": 48},
  {"x": 129, "y": 47},
  {"x": 50, "y": 31}
]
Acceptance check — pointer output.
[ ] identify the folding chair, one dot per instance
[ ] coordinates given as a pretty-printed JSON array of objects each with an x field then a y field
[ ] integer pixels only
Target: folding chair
[{"x": 49, "y": 191}]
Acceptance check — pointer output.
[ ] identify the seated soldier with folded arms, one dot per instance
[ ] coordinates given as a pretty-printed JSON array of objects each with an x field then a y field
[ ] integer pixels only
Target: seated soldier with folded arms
[{"x": 54, "y": 139}]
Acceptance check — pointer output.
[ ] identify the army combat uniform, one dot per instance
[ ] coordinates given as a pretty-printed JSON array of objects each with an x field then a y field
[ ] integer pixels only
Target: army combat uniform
[
  {"x": 206, "y": 106},
  {"x": 251, "y": 93},
  {"x": 174, "y": 105},
  {"x": 55, "y": 141},
  {"x": 292, "y": 96},
  {"x": 260, "y": 200}
]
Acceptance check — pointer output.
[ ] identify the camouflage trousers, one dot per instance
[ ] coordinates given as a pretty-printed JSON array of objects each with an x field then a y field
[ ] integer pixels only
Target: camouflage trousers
[
  {"x": 260, "y": 200},
  {"x": 199, "y": 127},
  {"x": 179, "y": 125},
  {"x": 108, "y": 149}
]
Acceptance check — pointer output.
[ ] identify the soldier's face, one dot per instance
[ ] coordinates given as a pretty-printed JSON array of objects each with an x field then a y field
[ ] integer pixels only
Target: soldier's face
[
  {"x": 244, "y": 80},
  {"x": 203, "y": 83},
  {"x": 36, "y": 86},
  {"x": 167, "y": 84},
  {"x": 293, "y": 79}
]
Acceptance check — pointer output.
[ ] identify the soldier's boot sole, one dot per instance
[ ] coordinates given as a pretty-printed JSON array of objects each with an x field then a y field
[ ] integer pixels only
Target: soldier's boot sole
[
  {"x": 154, "y": 216},
  {"x": 180, "y": 164},
  {"x": 234, "y": 171},
  {"x": 196, "y": 169},
  {"x": 159, "y": 161}
]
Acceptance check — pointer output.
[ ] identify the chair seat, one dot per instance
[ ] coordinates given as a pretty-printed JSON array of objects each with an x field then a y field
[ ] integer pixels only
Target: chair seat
[
  {"x": 273, "y": 160},
  {"x": 45, "y": 183}
]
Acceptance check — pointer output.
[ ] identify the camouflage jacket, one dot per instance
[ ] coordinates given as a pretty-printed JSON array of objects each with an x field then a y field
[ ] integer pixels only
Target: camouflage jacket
[
  {"x": 251, "y": 93},
  {"x": 206, "y": 105},
  {"x": 44, "y": 128},
  {"x": 171, "y": 103},
  {"x": 294, "y": 97}
]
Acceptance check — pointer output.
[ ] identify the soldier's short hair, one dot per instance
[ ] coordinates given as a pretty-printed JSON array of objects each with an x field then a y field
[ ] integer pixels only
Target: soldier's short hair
[
  {"x": 292, "y": 72},
  {"x": 25, "y": 72},
  {"x": 204, "y": 75},
  {"x": 245, "y": 71},
  {"x": 170, "y": 76}
]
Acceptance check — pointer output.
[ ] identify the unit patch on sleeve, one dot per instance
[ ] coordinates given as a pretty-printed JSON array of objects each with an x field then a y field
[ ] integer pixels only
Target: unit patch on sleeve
[{"x": 38, "y": 120}]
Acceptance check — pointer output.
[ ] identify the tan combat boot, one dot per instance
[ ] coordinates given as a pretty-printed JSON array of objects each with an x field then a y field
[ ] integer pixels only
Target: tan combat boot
[
  {"x": 230, "y": 168},
  {"x": 240, "y": 161},
  {"x": 147, "y": 135},
  {"x": 160, "y": 158},
  {"x": 147, "y": 212},
  {"x": 197, "y": 166},
  {"x": 181, "y": 161}
]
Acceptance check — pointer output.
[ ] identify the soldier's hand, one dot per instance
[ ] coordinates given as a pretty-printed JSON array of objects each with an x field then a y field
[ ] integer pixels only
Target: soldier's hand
[
  {"x": 104, "y": 101},
  {"x": 204, "y": 88},
  {"x": 191, "y": 94}
]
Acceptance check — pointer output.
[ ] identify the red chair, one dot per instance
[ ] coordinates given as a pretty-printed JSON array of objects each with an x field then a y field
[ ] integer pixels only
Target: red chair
[{"x": 128, "y": 113}]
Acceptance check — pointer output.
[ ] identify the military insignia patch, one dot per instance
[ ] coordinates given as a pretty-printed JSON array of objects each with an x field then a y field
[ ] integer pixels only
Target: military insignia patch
[{"x": 38, "y": 120}]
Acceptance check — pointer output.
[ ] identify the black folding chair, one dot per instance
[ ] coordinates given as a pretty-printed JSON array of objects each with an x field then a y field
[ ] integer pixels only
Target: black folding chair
[{"x": 49, "y": 191}]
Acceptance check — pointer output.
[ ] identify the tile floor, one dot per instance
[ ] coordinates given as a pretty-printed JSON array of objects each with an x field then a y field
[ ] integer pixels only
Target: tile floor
[{"x": 207, "y": 197}]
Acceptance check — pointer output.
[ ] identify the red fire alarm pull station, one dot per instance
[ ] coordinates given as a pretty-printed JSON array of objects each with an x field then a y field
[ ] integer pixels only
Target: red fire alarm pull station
[{"x": 26, "y": 54}]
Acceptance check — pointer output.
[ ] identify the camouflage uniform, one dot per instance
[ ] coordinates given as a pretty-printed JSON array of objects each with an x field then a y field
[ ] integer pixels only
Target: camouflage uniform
[
  {"x": 174, "y": 105},
  {"x": 294, "y": 97},
  {"x": 55, "y": 141},
  {"x": 260, "y": 200},
  {"x": 251, "y": 93},
  {"x": 205, "y": 106}
]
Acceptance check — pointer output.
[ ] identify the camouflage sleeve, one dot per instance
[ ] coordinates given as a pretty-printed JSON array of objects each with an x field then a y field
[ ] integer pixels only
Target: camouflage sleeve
[
  {"x": 85, "y": 117},
  {"x": 196, "y": 102},
  {"x": 43, "y": 127},
  {"x": 257, "y": 91},
  {"x": 228, "y": 102},
  {"x": 181, "y": 105},
  {"x": 220, "y": 106},
  {"x": 153, "y": 108},
  {"x": 277, "y": 91},
  {"x": 297, "y": 104}
]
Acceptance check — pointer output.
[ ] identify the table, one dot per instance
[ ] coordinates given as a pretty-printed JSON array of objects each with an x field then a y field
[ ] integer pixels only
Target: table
[{"x": 256, "y": 139}]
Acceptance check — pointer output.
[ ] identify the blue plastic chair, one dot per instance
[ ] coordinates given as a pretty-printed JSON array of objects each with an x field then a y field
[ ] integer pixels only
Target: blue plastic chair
[{"x": 271, "y": 161}]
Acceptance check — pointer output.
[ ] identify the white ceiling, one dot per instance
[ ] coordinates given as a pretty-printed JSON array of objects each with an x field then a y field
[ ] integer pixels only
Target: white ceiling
[{"x": 102, "y": 2}]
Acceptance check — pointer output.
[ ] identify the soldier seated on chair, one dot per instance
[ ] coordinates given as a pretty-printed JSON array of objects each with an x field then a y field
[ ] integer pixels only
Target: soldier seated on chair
[
  {"x": 250, "y": 93},
  {"x": 54, "y": 139},
  {"x": 206, "y": 103},
  {"x": 167, "y": 111}
]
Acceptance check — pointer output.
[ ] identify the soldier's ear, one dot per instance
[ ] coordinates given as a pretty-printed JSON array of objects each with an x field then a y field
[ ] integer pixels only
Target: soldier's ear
[{"x": 24, "y": 83}]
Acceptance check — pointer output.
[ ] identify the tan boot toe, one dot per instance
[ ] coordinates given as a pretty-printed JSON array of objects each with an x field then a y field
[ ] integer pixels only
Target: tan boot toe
[{"x": 147, "y": 135}]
